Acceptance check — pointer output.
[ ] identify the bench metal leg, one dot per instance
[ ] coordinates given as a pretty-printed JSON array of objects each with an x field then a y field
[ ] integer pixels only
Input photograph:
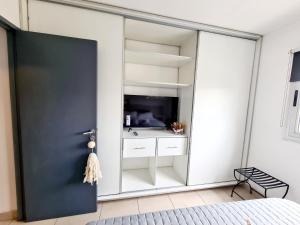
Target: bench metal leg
[
  {"x": 287, "y": 190},
  {"x": 239, "y": 183}
]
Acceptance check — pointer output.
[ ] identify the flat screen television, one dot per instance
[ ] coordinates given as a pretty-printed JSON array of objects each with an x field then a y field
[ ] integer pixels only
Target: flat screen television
[{"x": 149, "y": 111}]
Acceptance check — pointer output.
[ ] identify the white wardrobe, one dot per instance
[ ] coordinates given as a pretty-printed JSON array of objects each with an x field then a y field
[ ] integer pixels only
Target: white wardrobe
[{"x": 210, "y": 73}]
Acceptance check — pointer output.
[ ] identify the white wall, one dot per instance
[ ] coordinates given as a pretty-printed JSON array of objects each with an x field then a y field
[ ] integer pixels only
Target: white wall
[
  {"x": 7, "y": 174},
  {"x": 9, "y": 9},
  {"x": 268, "y": 150}
]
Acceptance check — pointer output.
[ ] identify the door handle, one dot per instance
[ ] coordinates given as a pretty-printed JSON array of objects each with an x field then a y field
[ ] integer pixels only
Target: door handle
[
  {"x": 138, "y": 148},
  {"x": 295, "y": 98},
  {"x": 90, "y": 132}
]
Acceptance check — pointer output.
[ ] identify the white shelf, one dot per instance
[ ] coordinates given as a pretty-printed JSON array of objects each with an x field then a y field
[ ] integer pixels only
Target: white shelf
[
  {"x": 156, "y": 59},
  {"x": 136, "y": 179},
  {"x": 155, "y": 84},
  {"x": 167, "y": 177},
  {"x": 151, "y": 133}
]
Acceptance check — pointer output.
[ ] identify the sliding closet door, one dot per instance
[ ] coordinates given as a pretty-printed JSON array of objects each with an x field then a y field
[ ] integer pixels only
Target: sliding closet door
[
  {"x": 107, "y": 30},
  {"x": 223, "y": 80}
]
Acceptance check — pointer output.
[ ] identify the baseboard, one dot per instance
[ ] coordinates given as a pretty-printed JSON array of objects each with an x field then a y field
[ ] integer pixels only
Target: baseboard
[
  {"x": 8, "y": 215},
  {"x": 135, "y": 194}
]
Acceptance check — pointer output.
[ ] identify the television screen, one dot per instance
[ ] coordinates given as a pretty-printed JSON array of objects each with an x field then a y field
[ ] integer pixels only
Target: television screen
[{"x": 149, "y": 111}]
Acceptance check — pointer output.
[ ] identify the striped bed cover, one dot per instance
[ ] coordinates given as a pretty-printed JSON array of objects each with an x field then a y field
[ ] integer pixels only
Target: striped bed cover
[{"x": 270, "y": 211}]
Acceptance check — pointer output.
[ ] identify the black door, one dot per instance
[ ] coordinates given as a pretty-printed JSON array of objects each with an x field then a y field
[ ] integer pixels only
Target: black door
[{"x": 55, "y": 82}]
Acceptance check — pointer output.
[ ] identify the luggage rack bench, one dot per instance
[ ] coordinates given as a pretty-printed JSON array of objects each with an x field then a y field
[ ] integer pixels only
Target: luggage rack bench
[{"x": 260, "y": 178}]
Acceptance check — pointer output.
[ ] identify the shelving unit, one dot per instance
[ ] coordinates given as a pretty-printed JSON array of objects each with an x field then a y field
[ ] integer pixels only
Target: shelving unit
[
  {"x": 155, "y": 84},
  {"x": 155, "y": 58},
  {"x": 155, "y": 171},
  {"x": 159, "y": 61},
  {"x": 167, "y": 177},
  {"x": 138, "y": 173},
  {"x": 136, "y": 179},
  {"x": 171, "y": 171}
]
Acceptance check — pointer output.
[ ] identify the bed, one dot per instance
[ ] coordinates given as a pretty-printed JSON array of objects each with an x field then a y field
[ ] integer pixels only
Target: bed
[{"x": 270, "y": 211}]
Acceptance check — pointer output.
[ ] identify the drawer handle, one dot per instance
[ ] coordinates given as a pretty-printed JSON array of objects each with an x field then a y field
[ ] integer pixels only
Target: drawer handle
[
  {"x": 172, "y": 147},
  {"x": 139, "y": 148}
]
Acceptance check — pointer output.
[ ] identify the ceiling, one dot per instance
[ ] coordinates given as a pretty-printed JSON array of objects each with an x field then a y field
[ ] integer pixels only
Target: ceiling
[{"x": 256, "y": 16}]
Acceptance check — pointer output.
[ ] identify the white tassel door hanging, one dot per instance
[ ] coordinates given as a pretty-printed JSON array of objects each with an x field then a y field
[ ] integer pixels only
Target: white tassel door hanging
[{"x": 92, "y": 170}]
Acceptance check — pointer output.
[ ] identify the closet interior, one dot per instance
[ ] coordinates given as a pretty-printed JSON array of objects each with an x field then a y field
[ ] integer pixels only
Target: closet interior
[{"x": 159, "y": 61}]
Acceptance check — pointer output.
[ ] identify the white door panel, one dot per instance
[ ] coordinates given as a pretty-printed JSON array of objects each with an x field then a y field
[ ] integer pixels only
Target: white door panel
[
  {"x": 107, "y": 30},
  {"x": 224, "y": 70}
]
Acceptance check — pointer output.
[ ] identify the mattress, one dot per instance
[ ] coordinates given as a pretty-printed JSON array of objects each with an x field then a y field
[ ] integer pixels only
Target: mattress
[{"x": 270, "y": 211}]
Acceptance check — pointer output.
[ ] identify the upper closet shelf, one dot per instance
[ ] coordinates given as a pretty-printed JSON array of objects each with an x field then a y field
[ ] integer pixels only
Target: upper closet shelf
[
  {"x": 156, "y": 59},
  {"x": 155, "y": 84}
]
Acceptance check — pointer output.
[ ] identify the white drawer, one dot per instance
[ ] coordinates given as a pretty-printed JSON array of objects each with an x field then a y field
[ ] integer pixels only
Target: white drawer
[
  {"x": 171, "y": 146},
  {"x": 139, "y": 147}
]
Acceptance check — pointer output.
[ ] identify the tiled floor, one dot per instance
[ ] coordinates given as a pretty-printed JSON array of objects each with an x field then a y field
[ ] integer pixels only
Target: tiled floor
[{"x": 146, "y": 204}]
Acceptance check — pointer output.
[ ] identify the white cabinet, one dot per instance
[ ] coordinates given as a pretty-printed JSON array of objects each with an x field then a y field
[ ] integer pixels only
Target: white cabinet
[
  {"x": 171, "y": 146},
  {"x": 139, "y": 147},
  {"x": 154, "y": 159},
  {"x": 107, "y": 30},
  {"x": 223, "y": 79}
]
